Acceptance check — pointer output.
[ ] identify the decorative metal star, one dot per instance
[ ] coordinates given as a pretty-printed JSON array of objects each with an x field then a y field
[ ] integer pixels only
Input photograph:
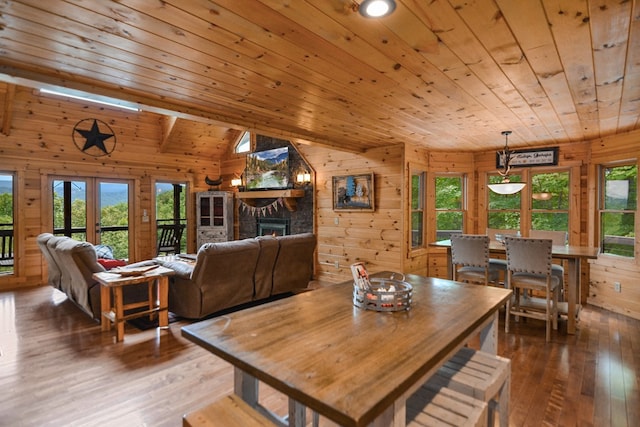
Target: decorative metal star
[{"x": 94, "y": 138}]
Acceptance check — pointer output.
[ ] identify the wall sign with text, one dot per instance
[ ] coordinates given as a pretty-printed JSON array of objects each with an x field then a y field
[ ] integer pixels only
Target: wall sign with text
[{"x": 533, "y": 157}]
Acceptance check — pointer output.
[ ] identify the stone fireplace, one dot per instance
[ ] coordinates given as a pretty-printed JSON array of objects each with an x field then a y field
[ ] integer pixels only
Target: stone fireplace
[{"x": 251, "y": 213}]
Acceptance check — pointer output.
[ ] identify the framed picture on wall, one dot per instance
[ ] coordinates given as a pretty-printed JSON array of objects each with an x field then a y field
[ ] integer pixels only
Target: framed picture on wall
[{"x": 353, "y": 192}]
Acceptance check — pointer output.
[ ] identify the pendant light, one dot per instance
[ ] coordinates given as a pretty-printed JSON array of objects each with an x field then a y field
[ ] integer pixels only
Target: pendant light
[{"x": 506, "y": 186}]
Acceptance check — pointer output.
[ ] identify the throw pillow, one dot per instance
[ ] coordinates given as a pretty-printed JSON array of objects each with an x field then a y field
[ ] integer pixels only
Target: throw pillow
[
  {"x": 104, "y": 251},
  {"x": 108, "y": 264}
]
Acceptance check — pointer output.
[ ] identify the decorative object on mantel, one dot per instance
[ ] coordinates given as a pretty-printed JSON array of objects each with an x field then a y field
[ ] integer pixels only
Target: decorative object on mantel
[
  {"x": 214, "y": 184},
  {"x": 353, "y": 192},
  {"x": 96, "y": 143},
  {"x": 506, "y": 186},
  {"x": 262, "y": 210},
  {"x": 288, "y": 196},
  {"x": 379, "y": 293}
]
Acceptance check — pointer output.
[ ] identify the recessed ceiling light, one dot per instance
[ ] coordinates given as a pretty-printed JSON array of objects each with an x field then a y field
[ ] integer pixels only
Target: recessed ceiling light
[{"x": 376, "y": 8}]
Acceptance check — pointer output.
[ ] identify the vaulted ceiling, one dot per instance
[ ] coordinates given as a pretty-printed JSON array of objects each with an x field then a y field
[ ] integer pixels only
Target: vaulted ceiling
[{"x": 447, "y": 75}]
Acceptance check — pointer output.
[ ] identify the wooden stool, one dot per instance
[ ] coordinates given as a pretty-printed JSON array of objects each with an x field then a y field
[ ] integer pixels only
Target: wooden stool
[
  {"x": 435, "y": 406},
  {"x": 479, "y": 375},
  {"x": 229, "y": 411}
]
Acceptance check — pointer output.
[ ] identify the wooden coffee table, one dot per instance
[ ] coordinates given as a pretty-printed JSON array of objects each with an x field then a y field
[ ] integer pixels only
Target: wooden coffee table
[{"x": 113, "y": 309}]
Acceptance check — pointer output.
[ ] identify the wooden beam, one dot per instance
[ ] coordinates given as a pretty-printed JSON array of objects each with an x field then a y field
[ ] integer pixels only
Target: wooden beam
[
  {"x": 167, "y": 123},
  {"x": 7, "y": 111}
]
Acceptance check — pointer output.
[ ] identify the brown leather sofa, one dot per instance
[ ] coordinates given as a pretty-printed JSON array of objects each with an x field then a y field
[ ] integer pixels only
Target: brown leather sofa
[
  {"x": 70, "y": 266},
  {"x": 232, "y": 273}
]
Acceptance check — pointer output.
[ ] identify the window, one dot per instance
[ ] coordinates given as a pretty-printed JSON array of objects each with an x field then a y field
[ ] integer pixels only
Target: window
[
  {"x": 417, "y": 209},
  {"x": 618, "y": 201},
  {"x": 244, "y": 143},
  {"x": 504, "y": 209},
  {"x": 6, "y": 223},
  {"x": 550, "y": 201},
  {"x": 449, "y": 206}
]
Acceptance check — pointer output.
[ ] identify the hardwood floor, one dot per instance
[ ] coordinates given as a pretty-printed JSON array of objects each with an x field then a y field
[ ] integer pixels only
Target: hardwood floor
[{"x": 58, "y": 369}]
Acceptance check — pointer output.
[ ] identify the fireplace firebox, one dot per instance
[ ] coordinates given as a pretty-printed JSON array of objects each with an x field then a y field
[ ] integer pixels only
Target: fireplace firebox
[{"x": 272, "y": 226}]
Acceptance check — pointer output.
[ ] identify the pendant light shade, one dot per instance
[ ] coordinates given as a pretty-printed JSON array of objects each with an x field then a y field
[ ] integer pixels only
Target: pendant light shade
[{"x": 506, "y": 186}]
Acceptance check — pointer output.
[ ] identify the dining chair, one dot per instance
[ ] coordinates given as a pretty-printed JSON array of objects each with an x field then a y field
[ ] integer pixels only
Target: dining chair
[
  {"x": 470, "y": 259},
  {"x": 529, "y": 269},
  {"x": 559, "y": 238},
  {"x": 496, "y": 235}
]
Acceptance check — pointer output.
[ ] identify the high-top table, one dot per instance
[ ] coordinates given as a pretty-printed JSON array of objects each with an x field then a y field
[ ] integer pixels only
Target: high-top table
[
  {"x": 353, "y": 366},
  {"x": 573, "y": 255}
]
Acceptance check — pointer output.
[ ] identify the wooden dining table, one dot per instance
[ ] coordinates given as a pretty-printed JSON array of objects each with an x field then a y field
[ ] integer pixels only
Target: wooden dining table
[
  {"x": 571, "y": 253},
  {"x": 354, "y": 366}
]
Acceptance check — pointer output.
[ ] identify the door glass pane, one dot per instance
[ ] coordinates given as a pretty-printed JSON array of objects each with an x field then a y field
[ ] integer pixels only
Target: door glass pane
[
  {"x": 70, "y": 209},
  {"x": 171, "y": 208},
  {"x": 114, "y": 217},
  {"x": 6, "y": 224}
]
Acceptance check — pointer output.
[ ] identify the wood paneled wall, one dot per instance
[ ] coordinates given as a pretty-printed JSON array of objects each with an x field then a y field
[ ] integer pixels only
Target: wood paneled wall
[
  {"x": 347, "y": 237},
  {"x": 39, "y": 144},
  {"x": 607, "y": 270},
  {"x": 36, "y": 142}
]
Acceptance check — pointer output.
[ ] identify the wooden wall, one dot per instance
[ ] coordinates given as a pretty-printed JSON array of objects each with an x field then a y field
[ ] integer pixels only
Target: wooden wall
[
  {"x": 39, "y": 143},
  {"x": 376, "y": 238},
  {"x": 607, "y": 270}
]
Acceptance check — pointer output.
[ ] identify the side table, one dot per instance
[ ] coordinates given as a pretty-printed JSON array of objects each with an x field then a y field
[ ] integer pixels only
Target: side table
[{"x": 112, "y": 282}]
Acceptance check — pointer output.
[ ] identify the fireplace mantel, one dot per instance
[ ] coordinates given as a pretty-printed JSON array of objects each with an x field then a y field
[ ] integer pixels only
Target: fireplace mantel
[{"x": 289, "y": 196}]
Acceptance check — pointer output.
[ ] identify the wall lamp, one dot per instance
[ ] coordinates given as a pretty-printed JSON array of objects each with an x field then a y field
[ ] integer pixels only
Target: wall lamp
[
  {"x": 376, "y": 8},
  {"x": 506, "y": 186},
  {"x": 303, "y": 177}
]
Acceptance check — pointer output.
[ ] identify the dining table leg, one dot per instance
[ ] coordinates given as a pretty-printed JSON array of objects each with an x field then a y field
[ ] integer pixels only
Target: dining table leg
[
  {"x": 449, "y": 264},
  {"x": 573, "y": 299},
  {"x": 247, "y": 387},
  {"x": 489, "y": 336}
]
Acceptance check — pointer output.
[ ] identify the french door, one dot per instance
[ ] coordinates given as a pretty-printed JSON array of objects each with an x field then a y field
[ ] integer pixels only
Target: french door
[{"x": 94, "y": 209}]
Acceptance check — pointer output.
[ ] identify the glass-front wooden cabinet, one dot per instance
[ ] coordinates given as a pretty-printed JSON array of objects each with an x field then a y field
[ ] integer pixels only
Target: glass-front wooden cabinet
[{"x": 214, "y": 216}]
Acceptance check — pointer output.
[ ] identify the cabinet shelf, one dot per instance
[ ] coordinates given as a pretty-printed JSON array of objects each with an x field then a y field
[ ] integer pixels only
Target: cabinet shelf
[{"x": 289, "y": 196}]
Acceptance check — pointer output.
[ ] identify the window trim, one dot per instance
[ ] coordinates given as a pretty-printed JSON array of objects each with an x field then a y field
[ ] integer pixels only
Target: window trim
[{"x": 600, "y": 169}]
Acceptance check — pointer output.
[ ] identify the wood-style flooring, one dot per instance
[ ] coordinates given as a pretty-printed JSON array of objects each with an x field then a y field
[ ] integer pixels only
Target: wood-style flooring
[{"x": 58, "y": 369}]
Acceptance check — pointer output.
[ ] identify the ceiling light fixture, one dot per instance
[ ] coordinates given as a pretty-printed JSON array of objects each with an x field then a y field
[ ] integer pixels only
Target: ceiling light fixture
[
  {"x": 376, "y": 8},
  {"x": 98, "y": 99},
  {"x": 506, "y": 186}
]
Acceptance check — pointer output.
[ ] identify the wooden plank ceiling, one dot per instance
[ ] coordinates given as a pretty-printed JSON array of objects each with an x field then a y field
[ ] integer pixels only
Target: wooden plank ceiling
[{"x": 448, "y": 75}]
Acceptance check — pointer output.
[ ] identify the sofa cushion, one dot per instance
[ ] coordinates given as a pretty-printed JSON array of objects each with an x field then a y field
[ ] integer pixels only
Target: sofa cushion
[
  {"x": 79, "y": 263},
  {"x": 54, "y": 272},
  {"x": 293, "y": 269},
  {"x": 269, "y": 247},
  {"x": 224, "y": 274}
]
